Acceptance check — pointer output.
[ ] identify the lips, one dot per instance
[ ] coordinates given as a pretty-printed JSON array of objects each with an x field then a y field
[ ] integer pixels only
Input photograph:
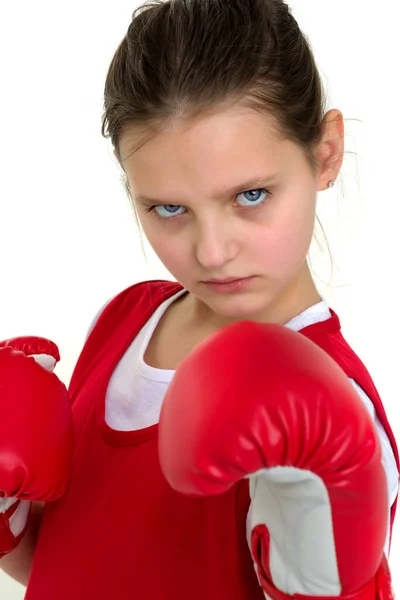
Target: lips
[{"x": 227, "y": 280}]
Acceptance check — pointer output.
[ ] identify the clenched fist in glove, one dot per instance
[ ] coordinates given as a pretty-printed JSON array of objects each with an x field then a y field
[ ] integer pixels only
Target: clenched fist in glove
[
  {"x": 36, "y": 437},
  {"x": 260, "y": 401}
]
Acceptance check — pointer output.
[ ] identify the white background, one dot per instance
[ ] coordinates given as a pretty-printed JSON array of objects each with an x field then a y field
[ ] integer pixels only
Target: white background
[{"x": 69, "y": 240}]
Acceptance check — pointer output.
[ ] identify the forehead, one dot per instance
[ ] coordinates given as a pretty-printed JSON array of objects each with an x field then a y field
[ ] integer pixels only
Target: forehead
[{"x": 218, "y": 128}]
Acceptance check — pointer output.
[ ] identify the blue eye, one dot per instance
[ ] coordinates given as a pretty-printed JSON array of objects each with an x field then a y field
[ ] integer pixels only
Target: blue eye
[
  {"x": 172, "y": 209},
  {"x": 254, "y": 201}
]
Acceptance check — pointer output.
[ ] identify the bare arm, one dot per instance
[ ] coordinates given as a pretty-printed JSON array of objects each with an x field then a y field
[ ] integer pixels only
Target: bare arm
[{"x": 18, "y": 563}]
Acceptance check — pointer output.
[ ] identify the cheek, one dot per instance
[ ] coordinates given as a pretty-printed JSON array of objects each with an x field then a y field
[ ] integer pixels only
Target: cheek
[
  {"x": 172, "y": 252},
  {"x": 281, "y": 250}
]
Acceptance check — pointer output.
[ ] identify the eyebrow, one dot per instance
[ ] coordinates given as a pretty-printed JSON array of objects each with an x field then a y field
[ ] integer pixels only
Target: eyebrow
[{"x": 263, "y": 180}]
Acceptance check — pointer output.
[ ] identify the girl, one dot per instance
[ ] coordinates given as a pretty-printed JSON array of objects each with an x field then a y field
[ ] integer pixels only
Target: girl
[{"x": 216, "y": 114}]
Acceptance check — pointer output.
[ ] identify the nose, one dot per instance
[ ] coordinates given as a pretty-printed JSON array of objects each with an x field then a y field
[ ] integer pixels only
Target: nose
[{"x": 215, "y": 245}]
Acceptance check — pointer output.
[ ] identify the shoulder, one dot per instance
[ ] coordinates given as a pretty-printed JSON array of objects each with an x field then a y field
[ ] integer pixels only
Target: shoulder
[
  {"x": 388, "y": 457},
  {"x": 151, "y": 291},
  {"x": 96, "y": 317}
]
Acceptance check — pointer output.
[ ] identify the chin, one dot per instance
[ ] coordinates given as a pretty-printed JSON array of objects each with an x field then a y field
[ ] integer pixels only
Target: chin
[{"x": 238, "y": 308}]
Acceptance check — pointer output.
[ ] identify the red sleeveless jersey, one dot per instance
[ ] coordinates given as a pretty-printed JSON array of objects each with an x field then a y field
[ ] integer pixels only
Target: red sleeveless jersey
[{"x": 120, "y": 531}]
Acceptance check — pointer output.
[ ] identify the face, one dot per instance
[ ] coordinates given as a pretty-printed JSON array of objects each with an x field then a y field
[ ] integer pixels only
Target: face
[{"x": 225, "y": 197}]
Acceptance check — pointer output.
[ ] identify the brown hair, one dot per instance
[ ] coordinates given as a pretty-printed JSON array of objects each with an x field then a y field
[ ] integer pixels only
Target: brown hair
[{"x": 180, "y": 58}]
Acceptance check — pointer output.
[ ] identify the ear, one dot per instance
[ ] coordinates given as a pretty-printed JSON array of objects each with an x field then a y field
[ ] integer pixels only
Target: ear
[{"x": 331, "y": 148}]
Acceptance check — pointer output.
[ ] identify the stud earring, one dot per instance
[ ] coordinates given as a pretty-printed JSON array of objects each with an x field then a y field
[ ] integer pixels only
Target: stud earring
[{"x": 331, "y": 184}]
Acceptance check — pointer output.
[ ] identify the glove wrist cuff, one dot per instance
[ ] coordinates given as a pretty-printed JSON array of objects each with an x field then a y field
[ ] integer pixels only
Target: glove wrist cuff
[
  {"x": 378, "y": 588},
  {"x": 13, "y": 525}
]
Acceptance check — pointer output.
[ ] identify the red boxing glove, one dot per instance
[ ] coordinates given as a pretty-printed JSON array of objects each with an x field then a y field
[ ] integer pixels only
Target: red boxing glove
[
  {"x": 263, "y": 402},
  {"x": 36, "y": 437}
]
